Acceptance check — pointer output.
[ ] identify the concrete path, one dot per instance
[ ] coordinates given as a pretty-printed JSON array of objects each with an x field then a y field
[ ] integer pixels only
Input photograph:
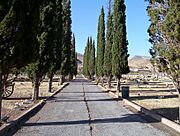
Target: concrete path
[{"x": 82, "y": 109}]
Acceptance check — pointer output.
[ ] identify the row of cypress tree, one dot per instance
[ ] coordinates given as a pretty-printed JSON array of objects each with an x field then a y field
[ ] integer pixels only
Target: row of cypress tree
[
  {"x": 36, "y": 34},
  {"x": 112, "y": 52},
  {"x": 89, "y": 58}
]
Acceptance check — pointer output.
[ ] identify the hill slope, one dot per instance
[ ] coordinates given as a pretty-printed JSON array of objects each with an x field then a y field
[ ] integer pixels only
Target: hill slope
[
  {"x": 135, "y": 62},
  {"x": 140, "y": 62}
]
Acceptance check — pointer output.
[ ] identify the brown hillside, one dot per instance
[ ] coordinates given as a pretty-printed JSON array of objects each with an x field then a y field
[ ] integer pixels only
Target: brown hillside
[
  {"x": 140, "y": 62},
  {"x": 80, "y": 57}
]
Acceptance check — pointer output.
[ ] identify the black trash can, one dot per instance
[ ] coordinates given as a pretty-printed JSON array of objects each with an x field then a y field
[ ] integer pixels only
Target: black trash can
[{"x": 125, "y": 92}]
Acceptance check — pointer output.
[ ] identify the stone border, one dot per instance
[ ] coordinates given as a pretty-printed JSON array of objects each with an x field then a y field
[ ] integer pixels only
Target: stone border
[
  {"x": 158, "y": 117},
  {"x": 11, "y": 127}
]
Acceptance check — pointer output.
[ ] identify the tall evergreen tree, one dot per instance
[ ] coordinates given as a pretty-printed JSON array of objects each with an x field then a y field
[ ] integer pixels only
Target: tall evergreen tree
[
  {"x": 66, "y": 49},
  {"x": 100, "y": 44},
  {"x": 164, "y": 32},
  {"x": 92, "y": 59},
  {"x": 58, "y": 36},
  {"x": 119, "y": 48},
  {"x": 19, "y": 22},
  {"x": 89, "y": 59},
  {"x": 73, "y": 59},
  {"x": 86, "y": 59},
  {"x": 108, "y": 47},
  {"x": 47, "y": 44}
]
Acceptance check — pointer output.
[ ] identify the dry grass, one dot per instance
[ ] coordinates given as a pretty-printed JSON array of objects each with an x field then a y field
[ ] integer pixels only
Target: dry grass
[
  {"x": 160, "y": 99},
  {"x": 23, "y": 92},
  {"x": 158, "y": 103},
  {"x": 168, "y": 107}
]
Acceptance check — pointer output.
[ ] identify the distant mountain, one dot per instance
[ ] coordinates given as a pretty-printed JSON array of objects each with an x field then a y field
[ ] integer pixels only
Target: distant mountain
[
  {"x": 79, "y": 61},
  {"x": 80, "y": 57},
  {"x": 140, "y": 62}
]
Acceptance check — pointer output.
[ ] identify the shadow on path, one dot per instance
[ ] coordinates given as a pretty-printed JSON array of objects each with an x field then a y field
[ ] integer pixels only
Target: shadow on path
[
  {"x": 75, "y": 100},
  {"x": 24, "y": 98},
  {"x": 128, "y": 118}
]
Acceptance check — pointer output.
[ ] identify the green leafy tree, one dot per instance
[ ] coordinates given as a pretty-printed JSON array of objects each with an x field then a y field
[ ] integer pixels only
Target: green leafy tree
[
  {"x": 19, "y": 22},
  {"x": 119, "y": 48},
  {"x": 100, "y": 44},
  {"x": 164, "y": 32},
  {"x": 108, "y": 47},
  {"x": 66, "y": 47}
]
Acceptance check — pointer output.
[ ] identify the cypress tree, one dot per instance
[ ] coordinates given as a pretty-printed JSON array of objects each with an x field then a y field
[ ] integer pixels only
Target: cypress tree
[
  {"x": 76, "y": 65},
  {"x": 89, "y": 59},
  {"x": 91, "y": 64},
  {"x": 89, "y": 56},
  {"x": 19, "y": 22},
  {"x": 108, "y": 47},
  {"x": 66, "y": 47},
  {"x": 47, "y": 45},
  {"x": 73, "y": 69},
  {"x": 56, "y": 62},
  {"x": 86, "y": 60},
  {"x": 119, "y": 48},
  {"x": 100, "y": 44},
  {"x": 164, "y": 32}
]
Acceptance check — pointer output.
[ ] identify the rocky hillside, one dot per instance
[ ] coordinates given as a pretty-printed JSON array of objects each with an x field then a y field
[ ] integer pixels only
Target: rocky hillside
[
  {"x": 140, "y": 62},
  {"x": 135, "y": 62},
  {"x": 80, "y": 57}
]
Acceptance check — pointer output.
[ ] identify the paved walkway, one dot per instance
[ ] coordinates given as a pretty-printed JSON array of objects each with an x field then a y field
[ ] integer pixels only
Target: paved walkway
[{"x": 82, "y": 109}]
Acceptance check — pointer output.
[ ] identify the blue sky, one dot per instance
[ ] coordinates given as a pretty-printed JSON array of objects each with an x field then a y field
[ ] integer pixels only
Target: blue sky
[{"x": 85, "y": 15}]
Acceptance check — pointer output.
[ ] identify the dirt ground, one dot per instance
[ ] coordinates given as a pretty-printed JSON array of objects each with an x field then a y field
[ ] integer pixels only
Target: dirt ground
[
  {"x": 156, "y": 97},
  {"x": 20, "y": 100}
]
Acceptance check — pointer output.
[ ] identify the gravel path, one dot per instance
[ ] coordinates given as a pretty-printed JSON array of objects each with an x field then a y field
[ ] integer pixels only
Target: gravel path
[{"x": 82, "y": 109}]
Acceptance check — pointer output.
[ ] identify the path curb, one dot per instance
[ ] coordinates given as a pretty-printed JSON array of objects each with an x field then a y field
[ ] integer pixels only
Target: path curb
[
  {"x": 12, "y": 126},
  {"x": 108, "y": 91},
  {"x": 161, "y": 119},
  {"x": 158, "y": 117},
  {"x": 113, "y": 94},
  {"x": 102, "y": 88}
]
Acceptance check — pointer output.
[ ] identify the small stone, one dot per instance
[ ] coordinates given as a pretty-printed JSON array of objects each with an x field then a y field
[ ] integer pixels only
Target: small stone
[
  {"x": 27, "y": 101},
  {"x": 17, "y": 106}
]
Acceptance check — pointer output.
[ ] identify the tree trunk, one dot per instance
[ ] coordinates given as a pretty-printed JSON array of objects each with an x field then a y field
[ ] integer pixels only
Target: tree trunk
[
  {"x": 1, "y": 91},
  {"x": 70, "y": 77},
  {"x": 177, "y": 87},
  {"x": 50, "y": 83},
  {"x": 61, "y": 79},
  {"x": 97, "y": 80},
  {"x": 118, "y": 86},
  {"x": 109, "y": 81},
  {"x": 179, "y": 107},
  {"x": 3, "y": 80},
  {"x": 89, "y": 76},
  {"x": 35, "y": 95},
  {"x": 102, "y": 81}
]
